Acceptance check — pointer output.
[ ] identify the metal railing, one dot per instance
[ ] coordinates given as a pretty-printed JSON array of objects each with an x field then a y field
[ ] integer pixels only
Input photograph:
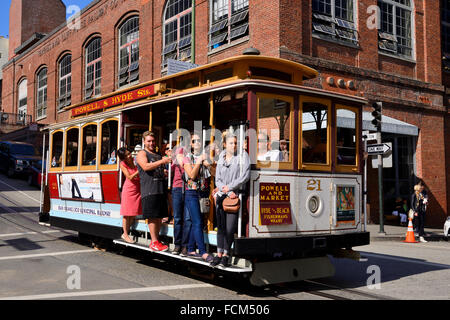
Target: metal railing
[{"x": 14, "y": 119}]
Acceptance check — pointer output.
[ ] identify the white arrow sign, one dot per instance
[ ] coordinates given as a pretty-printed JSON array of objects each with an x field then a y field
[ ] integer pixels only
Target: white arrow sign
[{"x": 374, "y": 149}]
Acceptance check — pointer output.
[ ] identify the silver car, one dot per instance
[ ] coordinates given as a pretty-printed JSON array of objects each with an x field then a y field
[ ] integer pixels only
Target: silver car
[{"x": 447, "y": 228}]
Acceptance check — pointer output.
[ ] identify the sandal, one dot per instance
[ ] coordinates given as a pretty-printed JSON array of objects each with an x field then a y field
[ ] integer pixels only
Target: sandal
[{"x": 127, "y": 240}]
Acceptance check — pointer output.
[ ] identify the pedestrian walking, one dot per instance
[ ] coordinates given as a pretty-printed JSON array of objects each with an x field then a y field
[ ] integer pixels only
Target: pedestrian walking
[{"x": 418, "y": 204}]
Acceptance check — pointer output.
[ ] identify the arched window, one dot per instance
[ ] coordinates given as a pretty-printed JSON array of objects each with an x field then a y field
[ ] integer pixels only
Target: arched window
[
  {"x": 22, "y": 101},
  {"x": 129, "y": 51},
  {"x": 177, "y": 31},
  {"x": 65, "y": 81},
  {"x": 72, "y": 147},
  {"x": 41, "y": 94},
  {"x": 93, "y": 69},
  {"x": 89, "y": 145},
  {"x": 57, "y": 149},
  {"x": 109, "y": 141},
  {"x": 229, "y": 21}
]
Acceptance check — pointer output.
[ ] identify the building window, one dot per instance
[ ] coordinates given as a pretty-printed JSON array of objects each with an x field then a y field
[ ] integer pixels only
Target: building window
[
  {"x": 334, "y": 19},
  {"x": 93, "y": 77},
  {"x": 445, "y": 21},
  {"x": 129, "y": 51},
  {"x": 22, "y": 106},
  {"x": 229, "y": 22},
  {"x": 177, "y": 28},
  {"x": 395, "y": 35},
  {"x": 65, "y": 82},
  {"x": 41, "y": 89}
]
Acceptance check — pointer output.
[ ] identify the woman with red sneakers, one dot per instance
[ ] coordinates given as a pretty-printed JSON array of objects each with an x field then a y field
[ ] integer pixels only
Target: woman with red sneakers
[{"x": 153, "y": 192}]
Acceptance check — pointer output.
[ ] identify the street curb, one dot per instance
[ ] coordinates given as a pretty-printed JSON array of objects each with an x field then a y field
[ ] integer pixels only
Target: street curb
[{"x": 435, "y": 238}]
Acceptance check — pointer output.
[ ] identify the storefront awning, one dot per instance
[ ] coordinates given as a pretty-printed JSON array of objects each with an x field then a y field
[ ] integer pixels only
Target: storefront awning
[{"x": 388, "y": 124}]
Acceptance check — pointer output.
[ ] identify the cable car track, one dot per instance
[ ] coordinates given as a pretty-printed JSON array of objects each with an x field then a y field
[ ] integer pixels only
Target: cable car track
[{"x": 310, "y": 287}]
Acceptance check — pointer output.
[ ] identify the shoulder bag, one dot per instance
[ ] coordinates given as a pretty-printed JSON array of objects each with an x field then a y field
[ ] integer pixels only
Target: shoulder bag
[{"x": 231, "y": 205}]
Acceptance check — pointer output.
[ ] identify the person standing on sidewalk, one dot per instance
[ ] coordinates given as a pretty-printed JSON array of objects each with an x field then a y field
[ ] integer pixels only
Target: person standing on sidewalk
[
  {"x": 418, "y": 204},
  {"x": 154, "y": 202}
]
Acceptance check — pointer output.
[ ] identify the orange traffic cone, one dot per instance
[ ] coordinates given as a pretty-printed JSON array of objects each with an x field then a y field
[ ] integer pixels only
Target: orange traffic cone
[{"x": 410, "y": 233}]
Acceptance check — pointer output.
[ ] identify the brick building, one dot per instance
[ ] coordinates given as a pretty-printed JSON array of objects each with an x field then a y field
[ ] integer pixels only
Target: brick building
[{"x": 383, "y": 50}]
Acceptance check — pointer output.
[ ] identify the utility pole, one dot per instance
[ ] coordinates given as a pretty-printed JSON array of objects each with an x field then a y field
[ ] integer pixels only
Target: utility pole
[{"x": 377, "y": 111}]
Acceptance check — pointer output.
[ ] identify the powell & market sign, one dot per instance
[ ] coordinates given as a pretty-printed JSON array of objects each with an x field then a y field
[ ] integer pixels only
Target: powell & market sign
[
  {"x": 118, "y": 99},
  {"x": 274, "y": 203}
]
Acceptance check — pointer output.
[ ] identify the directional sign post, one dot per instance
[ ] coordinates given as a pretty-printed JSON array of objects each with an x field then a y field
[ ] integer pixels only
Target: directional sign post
[
  {"x": 377, "y": 149},
  {"x": 387, "y": 158}
]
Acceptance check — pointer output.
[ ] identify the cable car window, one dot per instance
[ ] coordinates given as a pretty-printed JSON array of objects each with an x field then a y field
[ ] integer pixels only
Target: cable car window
[
  {"x": 314, "y": 133},
  {"x": 57, "y": 147},
  {"x": 346, "y": 137},
  {"x": 89, "y": 152},
  {"x": 72, "y": 147},
  {"x": 109, "y": 142},
  {"x": 274, "y": 130}
]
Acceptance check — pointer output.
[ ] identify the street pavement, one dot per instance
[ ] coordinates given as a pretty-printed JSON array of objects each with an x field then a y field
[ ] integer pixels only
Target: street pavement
[{"x": 398, "y": 233}]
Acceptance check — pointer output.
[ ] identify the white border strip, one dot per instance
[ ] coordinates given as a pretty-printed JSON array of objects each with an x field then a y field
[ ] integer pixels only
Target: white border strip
[
  {"x": 7, "y": 235},
  {"x": 108, "y": 292},
  {"x": 26, "y": 256}
]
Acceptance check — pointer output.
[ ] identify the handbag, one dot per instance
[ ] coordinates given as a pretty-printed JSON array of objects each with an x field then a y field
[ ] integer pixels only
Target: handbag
[
  {"x": 411, "y": 214},
  {"x": 231, "y": 205},
  {"x": 204, "y": 205}
]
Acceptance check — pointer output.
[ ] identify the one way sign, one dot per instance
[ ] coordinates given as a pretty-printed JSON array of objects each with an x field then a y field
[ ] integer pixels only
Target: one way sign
[{"x": 375, "y": 149}]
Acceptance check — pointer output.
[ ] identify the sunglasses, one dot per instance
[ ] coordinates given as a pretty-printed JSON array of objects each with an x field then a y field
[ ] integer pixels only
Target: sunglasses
[{"x": 195, "y": 140}]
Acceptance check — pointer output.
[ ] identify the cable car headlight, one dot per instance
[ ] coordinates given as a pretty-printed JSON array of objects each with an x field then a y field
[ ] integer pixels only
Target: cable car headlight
[{"x": 314, "y": 205}]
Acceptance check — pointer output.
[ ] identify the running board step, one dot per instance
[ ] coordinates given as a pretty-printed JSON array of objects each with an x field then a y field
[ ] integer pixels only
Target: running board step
[{"x": 232, "y": 268}]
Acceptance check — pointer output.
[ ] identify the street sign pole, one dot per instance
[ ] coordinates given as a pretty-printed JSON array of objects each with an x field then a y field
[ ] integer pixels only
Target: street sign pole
[
  {"x": 380, "y": 187},
  {"x": 365, "y": 186}
]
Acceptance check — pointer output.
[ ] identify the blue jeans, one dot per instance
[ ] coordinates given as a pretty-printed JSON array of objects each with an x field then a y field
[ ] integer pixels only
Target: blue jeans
[
  {"x": 192, "y": 206},
  {"x": 181, "y": 223}
]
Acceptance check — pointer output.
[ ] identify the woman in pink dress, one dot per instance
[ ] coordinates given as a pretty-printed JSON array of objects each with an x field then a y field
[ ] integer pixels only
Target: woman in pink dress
[{"x": 130, "y": 206}]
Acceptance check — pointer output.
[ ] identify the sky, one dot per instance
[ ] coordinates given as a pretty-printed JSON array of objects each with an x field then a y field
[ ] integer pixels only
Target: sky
[{"x": 4, "y": 13}]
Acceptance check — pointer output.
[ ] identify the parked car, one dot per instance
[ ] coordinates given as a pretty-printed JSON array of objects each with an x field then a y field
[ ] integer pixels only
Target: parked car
[
  {"x": 447, "y": 228},
  {"x": 16, "y": 158},
  {"x": 35, "y": 174}
]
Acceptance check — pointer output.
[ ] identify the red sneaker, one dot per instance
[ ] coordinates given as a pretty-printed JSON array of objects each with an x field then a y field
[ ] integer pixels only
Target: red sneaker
[{"x": 158, "y": 246}]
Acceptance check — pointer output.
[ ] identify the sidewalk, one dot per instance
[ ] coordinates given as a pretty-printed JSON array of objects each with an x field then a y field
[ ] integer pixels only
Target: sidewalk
[{"x": 394, "y": 233}]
